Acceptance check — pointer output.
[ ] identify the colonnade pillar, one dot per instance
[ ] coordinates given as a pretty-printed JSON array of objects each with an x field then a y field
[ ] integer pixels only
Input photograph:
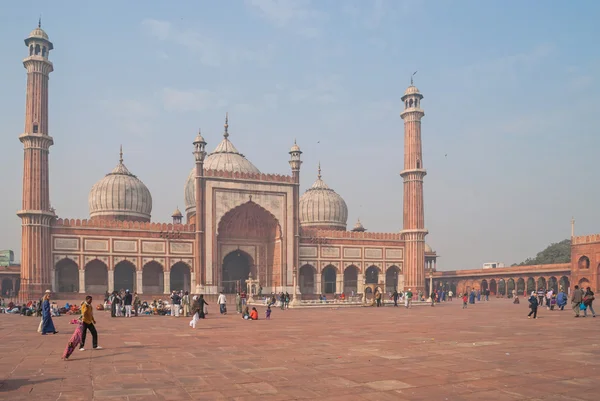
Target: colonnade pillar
[
  {"x": 111, "y": 280},
  {"x": 82, "y": 281},
  {"x": 167, "y": 282},
  {"x": 138, "y": 282}
]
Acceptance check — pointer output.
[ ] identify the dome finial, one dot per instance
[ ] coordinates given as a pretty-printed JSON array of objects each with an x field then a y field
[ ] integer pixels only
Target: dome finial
[
  {"x": 411, "y": 77},
  {"x": 319, "y": 171},
  {"x": 121, "y": 155},
  {"x": 40, "y": 21},
  {"x": 226, "y": 132}
]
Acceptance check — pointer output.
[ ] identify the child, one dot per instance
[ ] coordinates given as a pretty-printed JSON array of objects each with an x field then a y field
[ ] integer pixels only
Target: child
[
  {"x": 465, "y": 300},
  {"x": 268, "y": 313}
]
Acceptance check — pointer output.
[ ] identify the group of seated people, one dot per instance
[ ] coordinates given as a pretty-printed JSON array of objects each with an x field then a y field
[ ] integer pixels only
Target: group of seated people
[
  {"x": 250, "y": 315},
  {"x": 33, "y": 308}
]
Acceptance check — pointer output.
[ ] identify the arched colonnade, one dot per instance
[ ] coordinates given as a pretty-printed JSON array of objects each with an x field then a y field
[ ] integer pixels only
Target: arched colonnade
[
  {"x": 349, "y": 280},
  {"x": 504, "y": 285},
  {"x": 97, "y": 278}
]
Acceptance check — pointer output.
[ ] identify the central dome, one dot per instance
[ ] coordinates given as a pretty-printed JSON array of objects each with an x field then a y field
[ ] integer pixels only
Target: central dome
[
  {"x": 224, "y": 158},
  {"x": 321, "y": 207},
  {"x": 120, "y": 195}
]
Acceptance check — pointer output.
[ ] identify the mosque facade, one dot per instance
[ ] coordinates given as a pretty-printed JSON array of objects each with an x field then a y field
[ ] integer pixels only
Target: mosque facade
[{"x": 238, "y": 222}]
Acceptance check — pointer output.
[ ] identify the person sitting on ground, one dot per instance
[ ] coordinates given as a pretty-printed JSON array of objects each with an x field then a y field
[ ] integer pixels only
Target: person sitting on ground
[
  {"x": 246, "y": 313},
  {"x": 254, "y": 314}
]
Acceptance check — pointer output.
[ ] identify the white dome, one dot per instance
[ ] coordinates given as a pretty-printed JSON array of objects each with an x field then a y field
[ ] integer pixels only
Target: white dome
[
  {"x": 120, "y": 195},
  {"x": 322, "y": 207},
  {"x": 428, "y": 249},
  {"x": 411, "y": 90},
  {"x": 224, "y": 158}
]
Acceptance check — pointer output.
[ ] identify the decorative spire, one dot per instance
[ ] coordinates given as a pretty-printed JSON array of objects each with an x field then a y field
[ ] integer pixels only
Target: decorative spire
[
  {"x": 226, "y": 126},
  {"x": 319, "y": 171},
  {"x": 121, "y": 155},
  {"x": 411, "y": 77},
  {"x": 40, "y": 22}
]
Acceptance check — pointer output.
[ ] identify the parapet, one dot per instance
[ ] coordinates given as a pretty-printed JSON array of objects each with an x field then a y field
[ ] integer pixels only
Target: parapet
[
  {"x": 315, "y": 233},
  {"x": 124, "y": 225},
  {"x": 279, "y": 178}
]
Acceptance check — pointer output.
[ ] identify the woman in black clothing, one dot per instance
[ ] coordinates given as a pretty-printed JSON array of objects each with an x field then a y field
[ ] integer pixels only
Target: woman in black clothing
[
  {"x": 202, "y": 302},
  {"x": 533, "y": 304}
]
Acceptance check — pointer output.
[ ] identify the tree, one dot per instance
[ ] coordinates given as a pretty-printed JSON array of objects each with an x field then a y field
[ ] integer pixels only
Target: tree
[{"x": 558, "y": 252}]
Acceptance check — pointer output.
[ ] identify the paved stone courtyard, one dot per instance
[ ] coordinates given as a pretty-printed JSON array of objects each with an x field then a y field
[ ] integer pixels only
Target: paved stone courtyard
[{"x": 490, "y": 351}]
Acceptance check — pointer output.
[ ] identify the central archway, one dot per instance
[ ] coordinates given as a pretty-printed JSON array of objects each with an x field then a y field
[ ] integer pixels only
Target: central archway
[
  {"x": 236, "y": 270},
  {"x": 253, "y": 228}
]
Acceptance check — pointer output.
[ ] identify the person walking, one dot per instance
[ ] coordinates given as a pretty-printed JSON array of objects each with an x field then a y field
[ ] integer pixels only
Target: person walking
[
  {"x": 533, "y": 305},
  {"x": 47, "y": 323},
  {"x": 576, "y": 300},
  {"x": 408, "y": 299},
  {"x": 176, "y": 299},
  {"x": 588, "y": 298},
  {"x": 222, "y": 301},
  {"x": 185, "y": 304},
  {"x": 395, "y": 297},
  {"x": 87, "y": 318},
  {"x": 127, "y": 300}
]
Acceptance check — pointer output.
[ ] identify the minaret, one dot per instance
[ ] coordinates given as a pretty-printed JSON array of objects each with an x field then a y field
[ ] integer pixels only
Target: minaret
[
  {"x": 295, "y": 163},
  {"x": 414, "y": 231},
  {"x": 200, "y": 268},
  {"x": 36, "y": 214}
]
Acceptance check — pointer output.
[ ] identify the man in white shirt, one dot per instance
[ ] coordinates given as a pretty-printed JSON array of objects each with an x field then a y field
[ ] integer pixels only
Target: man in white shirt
[{"x": 222, "y": 301}]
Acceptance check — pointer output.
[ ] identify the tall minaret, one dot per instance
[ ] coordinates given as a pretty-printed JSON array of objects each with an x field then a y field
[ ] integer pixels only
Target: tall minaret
[
  {"x": 36, "y": 214},
  {"x": 295, "y": 163},
  {"x": 414, "y": 231}
]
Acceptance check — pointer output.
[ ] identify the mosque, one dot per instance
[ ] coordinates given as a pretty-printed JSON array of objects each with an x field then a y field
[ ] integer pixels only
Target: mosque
[{"x": 238, "y": 222}]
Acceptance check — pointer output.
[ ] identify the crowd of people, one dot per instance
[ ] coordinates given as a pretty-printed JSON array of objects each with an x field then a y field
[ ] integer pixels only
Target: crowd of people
[{"x": 581, "y": 301}]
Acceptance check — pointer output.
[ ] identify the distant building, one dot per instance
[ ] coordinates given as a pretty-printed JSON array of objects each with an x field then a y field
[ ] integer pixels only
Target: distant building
[
  {"x": 492, "y": 265},
  {"x": 7, "y": 258}
]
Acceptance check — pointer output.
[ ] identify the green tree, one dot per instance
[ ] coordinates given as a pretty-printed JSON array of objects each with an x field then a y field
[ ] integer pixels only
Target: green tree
[{"x": 558, "y": 252}]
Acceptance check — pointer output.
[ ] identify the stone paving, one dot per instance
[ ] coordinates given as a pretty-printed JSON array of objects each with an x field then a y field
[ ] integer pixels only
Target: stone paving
[{"x": 489, "y": 351}]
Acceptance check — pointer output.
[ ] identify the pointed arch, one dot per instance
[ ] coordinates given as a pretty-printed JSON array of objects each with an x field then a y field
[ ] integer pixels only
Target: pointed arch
[
  {"x": 392, "y": 275},
  {"x": 521, "y": 286},
  {"x": 351, "y": 280},
  {"x": 329, "y": 280},
  {"x": 181, "y": 277},
  {"x": 153, "y": 278},
  {"x": 372, "y": 275},
  {"x": 307, "y": 274},
  {"x": 125, "y": 276},
  {"x": 530, "y": 285},
  {"x": 96, "y": 277},
  {"x": 67, "y": 275}
]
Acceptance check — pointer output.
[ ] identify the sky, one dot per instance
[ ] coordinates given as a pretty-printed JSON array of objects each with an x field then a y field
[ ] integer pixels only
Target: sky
[{"x": 511, "y": 90}]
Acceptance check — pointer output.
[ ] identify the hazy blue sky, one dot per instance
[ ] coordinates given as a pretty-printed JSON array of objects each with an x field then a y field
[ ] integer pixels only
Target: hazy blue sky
[{"x": 510, "y": 133}]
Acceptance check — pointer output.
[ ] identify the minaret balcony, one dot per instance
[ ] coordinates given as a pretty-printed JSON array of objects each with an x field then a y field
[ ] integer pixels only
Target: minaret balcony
[{"x": 416, "y": 172}]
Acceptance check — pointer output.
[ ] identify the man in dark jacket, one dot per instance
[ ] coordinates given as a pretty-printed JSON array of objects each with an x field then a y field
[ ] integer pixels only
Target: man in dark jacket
[{"x": 127, "y": 300}]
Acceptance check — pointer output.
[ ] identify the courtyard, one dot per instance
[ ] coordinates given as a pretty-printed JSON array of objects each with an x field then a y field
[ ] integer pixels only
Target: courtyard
[{"x": 489, "y": 351}]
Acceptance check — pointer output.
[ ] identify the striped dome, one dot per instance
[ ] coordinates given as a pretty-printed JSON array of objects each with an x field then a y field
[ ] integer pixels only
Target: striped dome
[
  {"x": 322, "y": 207},
  {"x": 120, "y": 195}
]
